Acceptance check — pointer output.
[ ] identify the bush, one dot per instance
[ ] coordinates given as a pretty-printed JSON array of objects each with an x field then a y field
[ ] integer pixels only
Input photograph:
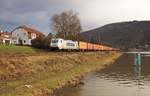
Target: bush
[
  {"x": 42, "y": 42},
  {"x": 38, "y": 42}
]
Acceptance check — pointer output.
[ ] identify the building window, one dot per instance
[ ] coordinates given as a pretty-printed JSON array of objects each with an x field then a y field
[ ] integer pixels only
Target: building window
[
  {"x": 24, "y": 34},
  {"x": 24, "y": 41},
  {"x": 33, "y": 35}
]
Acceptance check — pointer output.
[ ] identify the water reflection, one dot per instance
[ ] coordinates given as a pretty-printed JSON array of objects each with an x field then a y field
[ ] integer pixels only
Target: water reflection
[
  {"x": 120, "y": 79},
  {"x": 137, "y": 70}
]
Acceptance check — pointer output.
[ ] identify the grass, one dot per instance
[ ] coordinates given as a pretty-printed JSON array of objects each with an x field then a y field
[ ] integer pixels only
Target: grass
[
  {"x": 13, "y": 49},
  {"x": 46, "y": 72}
]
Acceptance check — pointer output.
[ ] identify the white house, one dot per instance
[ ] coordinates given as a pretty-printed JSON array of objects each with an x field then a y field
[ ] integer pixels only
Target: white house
[
  {"x": 5, "y": 38},
  {"x": 24, "y": 35}
]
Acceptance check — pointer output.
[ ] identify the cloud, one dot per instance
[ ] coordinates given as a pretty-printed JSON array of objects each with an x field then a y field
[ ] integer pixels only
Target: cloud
[
  {"x": 93, "y": 13},
  {"x": 25, "y": 6},
  {"x": 23, "y": 12}
]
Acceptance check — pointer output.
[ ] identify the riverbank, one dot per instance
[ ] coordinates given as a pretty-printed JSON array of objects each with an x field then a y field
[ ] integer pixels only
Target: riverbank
[{"x": 43, "y": 73}]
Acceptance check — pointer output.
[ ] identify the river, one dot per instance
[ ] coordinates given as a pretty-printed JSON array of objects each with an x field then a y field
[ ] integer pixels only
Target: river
[{"x": 121, "y": 78}]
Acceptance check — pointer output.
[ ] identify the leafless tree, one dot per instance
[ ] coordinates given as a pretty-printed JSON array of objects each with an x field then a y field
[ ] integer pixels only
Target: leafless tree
[{"x": 66, "y": 25}]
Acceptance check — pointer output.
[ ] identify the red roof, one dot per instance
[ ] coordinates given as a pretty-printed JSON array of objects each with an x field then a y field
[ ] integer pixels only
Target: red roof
[
  {"x": 5, "y": 33},
  {"x": 30, "y": 31}
]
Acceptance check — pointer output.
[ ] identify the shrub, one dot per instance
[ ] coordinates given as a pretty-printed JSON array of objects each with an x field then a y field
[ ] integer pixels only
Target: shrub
[
  {"x": 42, "y": 42},
  {"x": 38, "y": 42}
]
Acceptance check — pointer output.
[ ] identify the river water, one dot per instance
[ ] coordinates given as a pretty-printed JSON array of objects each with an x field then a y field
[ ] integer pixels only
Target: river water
[{"x": 119, "y": 79}]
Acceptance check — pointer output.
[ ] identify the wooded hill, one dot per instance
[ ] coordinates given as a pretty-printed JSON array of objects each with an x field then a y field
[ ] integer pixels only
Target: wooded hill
[{"x": 123, "y": 35}]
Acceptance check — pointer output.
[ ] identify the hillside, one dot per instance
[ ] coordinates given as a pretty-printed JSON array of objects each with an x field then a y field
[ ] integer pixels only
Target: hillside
[{"x": 123, "y": 35}]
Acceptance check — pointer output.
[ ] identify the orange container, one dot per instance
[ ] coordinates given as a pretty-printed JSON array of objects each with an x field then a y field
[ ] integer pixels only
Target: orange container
[
  {"x": 82, "y": 45},
  {"x": 89, "y": 46},
  {"x": 95, "y": 47},
  {"x": 101, "y": 47},
  {"x": 104, "y": 48}
]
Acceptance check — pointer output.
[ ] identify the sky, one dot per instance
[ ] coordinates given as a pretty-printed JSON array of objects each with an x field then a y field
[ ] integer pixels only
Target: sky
[{"x": 92, "y": 13}]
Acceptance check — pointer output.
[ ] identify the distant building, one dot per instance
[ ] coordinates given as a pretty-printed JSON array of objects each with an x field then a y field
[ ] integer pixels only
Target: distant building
[
  {"x": 5, "y": 38},
  {"x": 23, "y": 35}
]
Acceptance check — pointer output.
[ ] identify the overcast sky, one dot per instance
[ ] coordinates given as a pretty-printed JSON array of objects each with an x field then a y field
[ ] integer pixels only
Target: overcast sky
[{"x": 92, "y": 13}]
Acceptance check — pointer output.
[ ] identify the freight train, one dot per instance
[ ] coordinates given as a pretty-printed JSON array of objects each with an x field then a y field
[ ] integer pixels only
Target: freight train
[{"x": 61, "y": 44}]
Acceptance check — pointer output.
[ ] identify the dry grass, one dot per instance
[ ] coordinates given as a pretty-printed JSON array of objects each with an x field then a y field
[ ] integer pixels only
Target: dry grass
[{"x": 45, "y": 72}]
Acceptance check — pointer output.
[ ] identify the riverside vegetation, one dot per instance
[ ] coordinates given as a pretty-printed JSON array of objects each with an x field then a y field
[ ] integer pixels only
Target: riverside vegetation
[{"x": 25, "y": 71}]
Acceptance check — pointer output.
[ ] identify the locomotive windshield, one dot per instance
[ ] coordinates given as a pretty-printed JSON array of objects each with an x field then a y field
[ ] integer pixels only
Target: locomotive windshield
[
  {"x": 54, "y": 41},
  {"x": 70, "y": 44}
]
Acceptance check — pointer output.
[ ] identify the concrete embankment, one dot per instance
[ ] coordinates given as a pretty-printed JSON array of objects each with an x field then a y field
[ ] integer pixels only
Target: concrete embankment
[{"x": 44, "y": 73}]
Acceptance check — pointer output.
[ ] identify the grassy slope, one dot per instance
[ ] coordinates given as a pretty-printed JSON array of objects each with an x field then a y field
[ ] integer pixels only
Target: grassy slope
[
  {"x": 45, "y": 72},
  {"x": 12, "y": 49}
]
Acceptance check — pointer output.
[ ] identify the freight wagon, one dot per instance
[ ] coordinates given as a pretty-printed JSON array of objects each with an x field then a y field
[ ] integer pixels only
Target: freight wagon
[{"x": 82, "y": 45}]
